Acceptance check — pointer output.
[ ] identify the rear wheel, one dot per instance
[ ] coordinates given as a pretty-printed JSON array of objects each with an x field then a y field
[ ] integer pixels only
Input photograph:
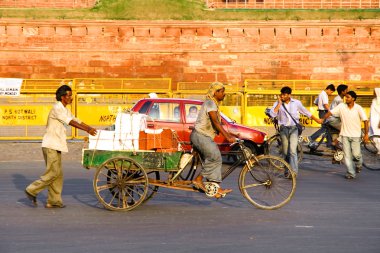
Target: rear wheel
[
  {"x": 269, "y": 183},
  {"x": 371, "y": 154},
  {"x": 121, "y": 184}
]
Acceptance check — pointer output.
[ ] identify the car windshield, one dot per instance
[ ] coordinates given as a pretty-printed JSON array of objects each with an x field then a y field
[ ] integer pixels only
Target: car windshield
[{"x": 226, "y": 118}]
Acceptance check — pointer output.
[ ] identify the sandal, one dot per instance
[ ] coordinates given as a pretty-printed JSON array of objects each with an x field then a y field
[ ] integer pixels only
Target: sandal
[
  {"x": 199, "y": 186},
  {"x": 222, "y": 193}
]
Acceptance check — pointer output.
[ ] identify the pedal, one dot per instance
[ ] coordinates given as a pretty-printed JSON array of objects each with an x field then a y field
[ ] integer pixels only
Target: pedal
[
  {"x": 211, "y": 189},
  {"x": 338, "y": 155}
]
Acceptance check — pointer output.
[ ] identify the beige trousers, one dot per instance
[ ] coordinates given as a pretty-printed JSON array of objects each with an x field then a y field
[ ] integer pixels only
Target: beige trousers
[{"x": 52, "y": 179}]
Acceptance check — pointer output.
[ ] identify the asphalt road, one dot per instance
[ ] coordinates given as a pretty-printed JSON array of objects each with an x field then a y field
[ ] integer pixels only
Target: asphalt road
[{"x": 327, "y": 214}]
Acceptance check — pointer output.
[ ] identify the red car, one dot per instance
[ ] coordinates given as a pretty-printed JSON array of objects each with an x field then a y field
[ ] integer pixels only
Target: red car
[{"x": 180, "y": 114}]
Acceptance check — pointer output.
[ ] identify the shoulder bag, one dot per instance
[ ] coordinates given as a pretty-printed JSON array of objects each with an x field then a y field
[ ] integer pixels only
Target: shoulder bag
[{"x": 299, "y": 126}]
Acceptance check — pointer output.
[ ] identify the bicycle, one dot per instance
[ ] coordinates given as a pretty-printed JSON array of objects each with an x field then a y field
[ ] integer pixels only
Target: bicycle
[
  {"x": 274, "y": 144},
  {"x": 371, "y": 153},
  {"x": 336, "y": 153},
  {"x": 123, "y": 179}
]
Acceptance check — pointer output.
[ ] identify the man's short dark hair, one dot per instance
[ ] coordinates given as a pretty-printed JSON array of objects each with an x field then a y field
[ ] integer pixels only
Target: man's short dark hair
[
  {"x": 330, "y": 87},
  {"x": 62, "y": 91},
  {"x": 352, "y": 94},
  {"x": 341, "y": 88},
  {"x": 286, "y": 90}
]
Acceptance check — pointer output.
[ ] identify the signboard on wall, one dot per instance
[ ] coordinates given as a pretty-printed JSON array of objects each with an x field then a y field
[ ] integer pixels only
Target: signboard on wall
[{"x": 10, "y": 86}]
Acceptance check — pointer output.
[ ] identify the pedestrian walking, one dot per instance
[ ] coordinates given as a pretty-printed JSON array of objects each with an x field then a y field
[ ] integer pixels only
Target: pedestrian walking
[
  {"x": 287, "y": 110},
  {"x": 375, "y": 117},
  {"x": 351, "y": 115},
  {"x": 53, "y": 144}
]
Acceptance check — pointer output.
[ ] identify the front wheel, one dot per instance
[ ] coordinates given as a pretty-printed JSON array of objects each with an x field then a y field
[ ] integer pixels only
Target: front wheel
[
  {"x": 371, "y": 154},
  {"x": 269, "y": 183}
]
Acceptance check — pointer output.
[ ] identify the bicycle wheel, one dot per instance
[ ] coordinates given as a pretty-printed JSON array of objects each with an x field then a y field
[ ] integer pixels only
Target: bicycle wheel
[
  {"x": 120, "y": 184},
  {"x": 269, "y": 183},
  {"x": 370, "y": 153},
  {"x": 275, "y": 148}
]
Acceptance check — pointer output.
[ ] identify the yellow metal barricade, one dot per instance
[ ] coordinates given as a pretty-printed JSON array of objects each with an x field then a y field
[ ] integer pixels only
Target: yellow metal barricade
[{"x": 24, "y": 117}]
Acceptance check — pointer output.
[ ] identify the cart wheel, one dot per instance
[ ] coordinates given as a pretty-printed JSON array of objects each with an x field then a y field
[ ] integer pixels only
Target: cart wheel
[
  {"x": 121, "y": 184},
  {"x": 269, "y": 183}
]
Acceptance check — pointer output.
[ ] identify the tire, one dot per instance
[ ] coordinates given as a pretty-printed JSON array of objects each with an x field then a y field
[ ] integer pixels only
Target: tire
[
  {"x": 121, "y": 184},
  {"x": 275, "y": 148},
  {"x": 268, "y": 183},
  {"x": 370, "y": 153}
]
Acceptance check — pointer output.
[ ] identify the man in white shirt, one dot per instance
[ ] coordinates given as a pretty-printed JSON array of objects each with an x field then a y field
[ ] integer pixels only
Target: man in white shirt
[
  {"x": 351, "y": 115},
  {"x": 323, "y": 108},
  {"x": 53, "y": 144}
]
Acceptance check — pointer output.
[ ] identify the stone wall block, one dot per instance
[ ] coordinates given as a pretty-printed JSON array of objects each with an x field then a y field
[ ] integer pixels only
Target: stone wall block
[
  {"x": 141, "y": 31},
  {"x": 266, "y": 35},
  {"x": 282, "y": 33},
  {"x": 298, "y": 32},
  {"x": 204, "y": 31},
  {"x": 313, "y": 32},
  {"x": 125, "y": 31},
  {"x": 157, "y": 32},
  {"x": 188, "y": 31},
  {"x": 2, "y": 30},
  {"x": 251, "y": 32},
  {"x": 14, "y": 30},
  {"x": 46, "y": 31},
  {"x": 63, "y": 30},
  {"x": 219, "y": 32},
  {"x": 110, "y": 31},
  {"x": 235, "y": 32},
  {"x": 362, "y": 31},
  {"x": 79, "y": 30},
  {"x": 346, "y": 31},
  {"x": 93, "y": 30},
  {"x": 329, "y": 32},
  {"x": 172, "y": 31}
]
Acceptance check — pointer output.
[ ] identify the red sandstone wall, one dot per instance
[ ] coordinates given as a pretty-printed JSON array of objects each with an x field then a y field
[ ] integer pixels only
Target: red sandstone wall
[
  {"x": 295, "y": 4},
  {"x": 48, "y": 3},
  {"x": 191, "y": 51}
]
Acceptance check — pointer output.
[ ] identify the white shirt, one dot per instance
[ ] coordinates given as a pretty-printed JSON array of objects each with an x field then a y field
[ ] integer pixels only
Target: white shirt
[
  {"x": 55, "y": 135},
  {"x": 351, "y": 119},
  {"x": 323, "y": 99},
  {"x": 336, "y": 101}
]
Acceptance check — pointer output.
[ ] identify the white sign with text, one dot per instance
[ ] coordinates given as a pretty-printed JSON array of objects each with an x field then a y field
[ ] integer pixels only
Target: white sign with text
[{"x": 10, "y": 86}]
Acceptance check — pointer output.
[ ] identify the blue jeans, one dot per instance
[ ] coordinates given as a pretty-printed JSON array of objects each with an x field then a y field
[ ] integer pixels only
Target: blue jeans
[
  {"x": 352, "y": 153},
  {"x": 289, "y": 139},
  {"x": 212, "y": 166}
]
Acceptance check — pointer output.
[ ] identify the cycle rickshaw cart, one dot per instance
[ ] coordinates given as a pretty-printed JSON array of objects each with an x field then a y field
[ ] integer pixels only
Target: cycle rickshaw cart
[{"x": 124, "y": 179}]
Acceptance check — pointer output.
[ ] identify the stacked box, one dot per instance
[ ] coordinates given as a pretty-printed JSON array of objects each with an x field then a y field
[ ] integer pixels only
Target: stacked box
[{"x": 162, "y": 140}]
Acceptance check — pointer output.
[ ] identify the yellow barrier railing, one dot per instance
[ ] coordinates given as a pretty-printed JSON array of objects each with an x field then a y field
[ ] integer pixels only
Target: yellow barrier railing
[{"x": 97, "y": 100}]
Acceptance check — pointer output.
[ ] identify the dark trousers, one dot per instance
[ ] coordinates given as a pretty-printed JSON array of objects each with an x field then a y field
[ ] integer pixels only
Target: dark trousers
[{"x": 322, "y": 130}]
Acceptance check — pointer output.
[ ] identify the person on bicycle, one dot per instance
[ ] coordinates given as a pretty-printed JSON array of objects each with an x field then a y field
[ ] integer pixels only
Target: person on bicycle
[
  {"x": 286, "y": 109},
  {"x": 207, "y": 126},
  {"x": 351, "y": 115},
  {"x": 323, "y": 107}
]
